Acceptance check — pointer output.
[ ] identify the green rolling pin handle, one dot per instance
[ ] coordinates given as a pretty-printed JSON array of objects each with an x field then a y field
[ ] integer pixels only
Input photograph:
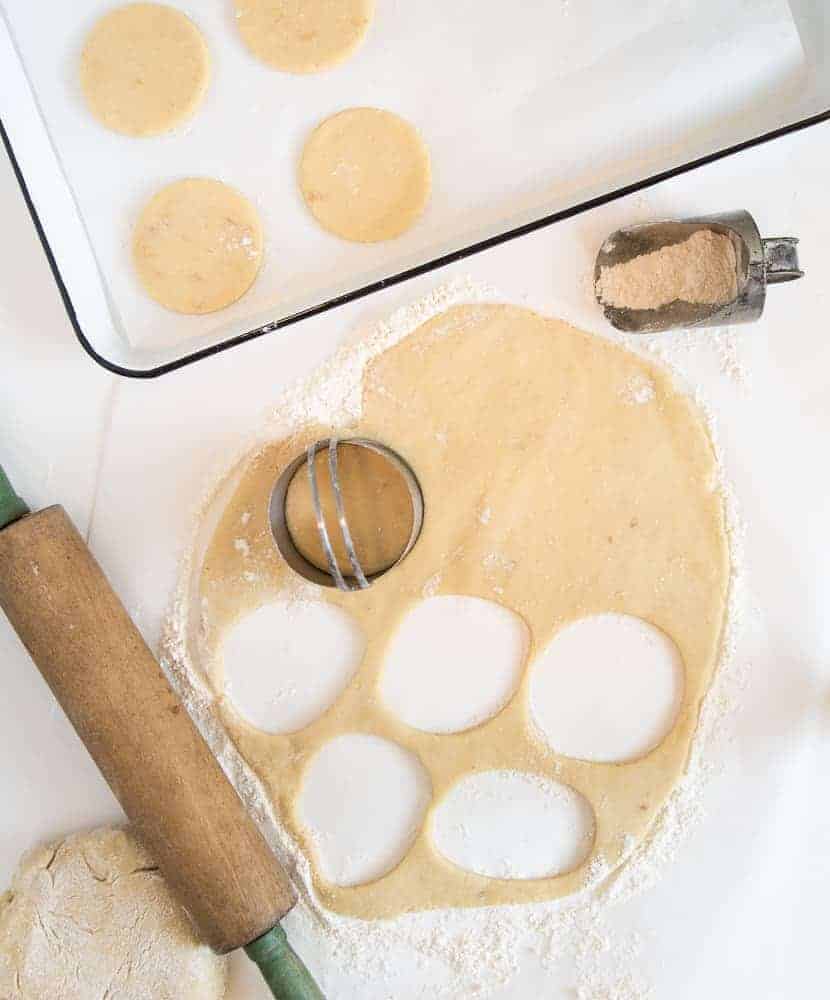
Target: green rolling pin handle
[
  {"x": 12, "y": 507},
  {"x": 281, "y": 968}
]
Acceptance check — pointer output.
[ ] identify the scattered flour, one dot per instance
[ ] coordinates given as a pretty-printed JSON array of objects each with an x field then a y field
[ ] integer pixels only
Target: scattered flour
[
  {"x": 723, "y": 344},
  {"x": 640, "y": 390},
  {"x": 471, "y": 953}
]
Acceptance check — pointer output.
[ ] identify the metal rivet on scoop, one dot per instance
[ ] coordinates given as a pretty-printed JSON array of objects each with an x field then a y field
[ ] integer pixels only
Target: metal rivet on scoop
[
  {"x": 356, "y": 579},
  {"x": 760, "y": 262}
]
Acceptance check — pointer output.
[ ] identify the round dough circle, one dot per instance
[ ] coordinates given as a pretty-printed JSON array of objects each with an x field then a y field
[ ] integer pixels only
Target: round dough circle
[
  {"x": 144, "y": 69},
  {"x": 365, "y": 175},
  {"x": 197, "y": 246},
  {"x": 91, "y": 916},
  {"x": 303, "y": 36}
]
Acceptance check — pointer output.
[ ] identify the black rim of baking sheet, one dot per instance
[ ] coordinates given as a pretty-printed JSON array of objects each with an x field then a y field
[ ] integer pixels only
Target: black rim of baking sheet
[{"x": 363, "y": 291}]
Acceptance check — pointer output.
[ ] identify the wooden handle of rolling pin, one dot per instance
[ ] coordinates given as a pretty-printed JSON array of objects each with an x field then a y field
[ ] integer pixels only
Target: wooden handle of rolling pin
[{"x": 139, "y": 734}]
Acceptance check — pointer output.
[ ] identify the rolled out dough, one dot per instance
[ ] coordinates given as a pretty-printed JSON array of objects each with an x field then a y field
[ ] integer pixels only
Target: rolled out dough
[
  {"x": 197, "y": 246},
  {"x": 303, "y": 36},
  {"x": 365, "y": 175},
  {"x": 598, "y": 499},
  {"x": 90, "y": 916},
  {"x": 144, "y": 69}
]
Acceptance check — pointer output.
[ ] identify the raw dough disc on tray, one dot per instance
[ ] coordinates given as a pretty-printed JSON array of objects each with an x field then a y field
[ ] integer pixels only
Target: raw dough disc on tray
[
  {"x": 365, "y": 175},
  {"x": 303, "y": 36},
  {"x": 144, "y": 69},
  {"x": 597, "y": 500},
  {"x": 197, "y": 246},
  {"x": 90, "y": 916}
]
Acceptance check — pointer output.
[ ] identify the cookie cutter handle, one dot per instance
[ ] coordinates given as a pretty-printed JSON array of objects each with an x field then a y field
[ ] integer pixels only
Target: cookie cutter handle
[{"x": 781, "y": 259}]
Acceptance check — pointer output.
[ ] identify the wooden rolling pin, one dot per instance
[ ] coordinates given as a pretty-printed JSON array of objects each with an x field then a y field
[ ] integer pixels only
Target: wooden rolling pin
[{"x": 147, "y": 747}]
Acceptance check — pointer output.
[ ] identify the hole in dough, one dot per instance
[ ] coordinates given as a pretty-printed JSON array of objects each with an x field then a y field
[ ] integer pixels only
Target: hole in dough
[
  {"x": 453, "y": 663},
  {"x": 362, "y": 801},
  {"x": 607, "y": 689},
  {"x": 287, "y": 662},
  {"x": 506, "y": 824}
]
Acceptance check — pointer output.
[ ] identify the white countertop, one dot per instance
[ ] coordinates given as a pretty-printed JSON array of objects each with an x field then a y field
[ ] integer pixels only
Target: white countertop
[{"x": 741, "y": 912}]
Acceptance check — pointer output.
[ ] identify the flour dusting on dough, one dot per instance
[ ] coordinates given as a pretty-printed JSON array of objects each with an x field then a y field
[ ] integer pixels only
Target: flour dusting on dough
[{"x": 469, "y": 952}]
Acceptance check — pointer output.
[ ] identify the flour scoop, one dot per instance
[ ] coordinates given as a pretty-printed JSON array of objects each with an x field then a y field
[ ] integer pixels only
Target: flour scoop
[
  {"x": 755, "y": 262},
  {"x": 147, "y": 747}
]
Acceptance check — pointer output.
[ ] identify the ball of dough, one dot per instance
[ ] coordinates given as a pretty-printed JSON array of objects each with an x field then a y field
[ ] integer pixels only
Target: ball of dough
[
  {"x": 303, "y": 36},
  {"x": 144, "y": 69},
  {"x": 197, "y": 246},
  {"x": 365, "y": 175},
  {"x": 91, "y": 916}
]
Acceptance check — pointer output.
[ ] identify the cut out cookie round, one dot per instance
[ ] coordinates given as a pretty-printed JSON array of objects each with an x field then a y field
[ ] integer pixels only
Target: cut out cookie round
[
  {"x": 470, "y": 650},
  {"x": 287, "y": 662},
  {"x": 144, "y": 69},
  {"x": 365, "y": 175},
  {"x": 197, "y": 246},
  {"x": 363, "y": 800},
  {"x": 607, "y": 689},
  {"x": 303, "y": 36},
  {"x": 91, "y": 916},
  {"x": 512, "y": 825}
]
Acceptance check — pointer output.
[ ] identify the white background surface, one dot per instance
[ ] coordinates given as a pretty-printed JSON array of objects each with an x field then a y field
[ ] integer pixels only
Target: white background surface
[{"x": 742, "y": 911}]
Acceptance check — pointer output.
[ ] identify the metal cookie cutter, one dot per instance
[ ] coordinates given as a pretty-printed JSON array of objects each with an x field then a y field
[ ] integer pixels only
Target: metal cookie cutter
[
  {"x": 356, "y": 579},
  {"x": 760, "y": 262}
]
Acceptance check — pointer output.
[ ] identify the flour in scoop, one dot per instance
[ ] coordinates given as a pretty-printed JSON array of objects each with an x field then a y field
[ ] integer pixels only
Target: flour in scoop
[{"x": 702, "y": 270}]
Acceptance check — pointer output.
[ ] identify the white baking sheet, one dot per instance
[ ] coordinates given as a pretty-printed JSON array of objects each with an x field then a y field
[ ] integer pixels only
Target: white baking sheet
[{"x": 526, "y": 108}]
